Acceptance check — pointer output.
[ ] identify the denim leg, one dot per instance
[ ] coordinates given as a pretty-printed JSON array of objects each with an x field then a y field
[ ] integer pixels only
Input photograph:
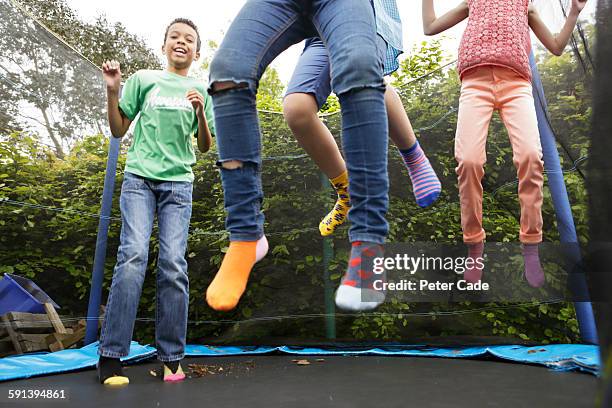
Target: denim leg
[
  {"x": 243, "y": 199},
  {"x": 261, "y": 30},
  {"x": 348, "y": 30},
  {"x": 356, "y": 53},
  {"x": 365, "y": 143},
  {"x": 312, "y": 72},
  {"x": 137, "y": 204},
  {"x": 173, "y": 215}
]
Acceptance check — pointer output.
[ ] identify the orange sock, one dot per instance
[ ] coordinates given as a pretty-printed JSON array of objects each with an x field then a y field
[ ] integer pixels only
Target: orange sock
[{"x": 229, "y": 284}]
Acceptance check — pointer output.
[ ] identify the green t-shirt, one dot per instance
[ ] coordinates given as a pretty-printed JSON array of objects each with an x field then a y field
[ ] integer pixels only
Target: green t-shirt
[{"x": 162, "y": 148}]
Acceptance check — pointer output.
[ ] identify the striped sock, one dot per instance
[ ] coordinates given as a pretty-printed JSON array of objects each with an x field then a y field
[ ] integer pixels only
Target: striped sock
[{"x": 425, "y": 182}]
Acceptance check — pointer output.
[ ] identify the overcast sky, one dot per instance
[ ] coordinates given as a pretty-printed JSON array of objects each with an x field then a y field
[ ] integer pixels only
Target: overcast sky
[{"x": 148, "y": 19}]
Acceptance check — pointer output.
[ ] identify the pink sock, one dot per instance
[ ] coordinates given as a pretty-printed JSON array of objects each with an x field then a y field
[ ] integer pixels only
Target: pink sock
[{"x": 533, "y": 268}]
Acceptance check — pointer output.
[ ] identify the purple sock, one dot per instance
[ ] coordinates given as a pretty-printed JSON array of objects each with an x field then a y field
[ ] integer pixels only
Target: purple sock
[
  {"x": 425, "y": 182},
  {"x": 533, "y": 268},
  {"x": 474, "y": 274}
]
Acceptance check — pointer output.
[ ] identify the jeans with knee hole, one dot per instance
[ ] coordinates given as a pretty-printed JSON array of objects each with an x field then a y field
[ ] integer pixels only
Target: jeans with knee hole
[
  {"x": 261, "y": 31},
  {"x": 140, "y": 199}
]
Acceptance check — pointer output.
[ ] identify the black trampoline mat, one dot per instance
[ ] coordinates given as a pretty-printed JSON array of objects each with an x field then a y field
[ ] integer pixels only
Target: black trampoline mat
[{"x": 337, "y": 381}]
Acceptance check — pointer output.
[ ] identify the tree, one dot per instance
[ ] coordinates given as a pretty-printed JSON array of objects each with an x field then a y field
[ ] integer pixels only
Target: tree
[
  {"x": 97, "y": 42},
  {"x": 45, "y": 87},
  {"x": 270, "y": 91}
]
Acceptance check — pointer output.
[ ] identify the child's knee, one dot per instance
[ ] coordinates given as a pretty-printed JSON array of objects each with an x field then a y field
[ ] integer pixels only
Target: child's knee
[
  {"x": 362, "y": 71},
  {"x": 529, "y": 162},
  {"x": 471, "y": 165},
  {"x": 220, "y": 86},
  {"x": 226, "y": 74},
  {"x": 231, "y": 164},
  {"x": 299, "y": 109}
]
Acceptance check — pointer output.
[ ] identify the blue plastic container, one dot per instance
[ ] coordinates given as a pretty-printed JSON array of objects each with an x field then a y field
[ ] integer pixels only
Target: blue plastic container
[{"x": 18, "y": 294}]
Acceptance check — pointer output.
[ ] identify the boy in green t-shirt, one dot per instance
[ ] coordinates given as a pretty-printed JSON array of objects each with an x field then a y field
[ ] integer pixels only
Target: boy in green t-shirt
[{"x": 171, "y": 109}]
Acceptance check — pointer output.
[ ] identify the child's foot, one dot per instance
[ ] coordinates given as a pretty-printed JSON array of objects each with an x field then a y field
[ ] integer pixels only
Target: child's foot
[
  {"x": 425, "y": 182},
  {"x": 337, "y": 216},
  {"x": 533, "y": 268},
  {"x": 110, "y": 372},
  {"x": 356, "y": 291},
  {"x": 229, "y": 284},
  {"x": 173, "y": 372},
  {"x": 474, "y": 274}
]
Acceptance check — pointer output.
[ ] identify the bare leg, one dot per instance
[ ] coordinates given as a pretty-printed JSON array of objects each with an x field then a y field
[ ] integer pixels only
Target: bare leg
[
  {"x": 400, "y": 128},
  {"x": 300, "y": 112}
]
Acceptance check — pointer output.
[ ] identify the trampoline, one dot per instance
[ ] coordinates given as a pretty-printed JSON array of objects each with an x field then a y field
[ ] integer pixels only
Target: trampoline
[
  {"x": 446, "y": 351},
  {"x": 366, "y": 381}
]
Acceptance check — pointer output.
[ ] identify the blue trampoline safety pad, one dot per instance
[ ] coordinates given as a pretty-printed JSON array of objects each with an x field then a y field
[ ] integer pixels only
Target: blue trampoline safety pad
[
  {"x": 30, "y": 365},
  {"x": 565, "y": 357}
]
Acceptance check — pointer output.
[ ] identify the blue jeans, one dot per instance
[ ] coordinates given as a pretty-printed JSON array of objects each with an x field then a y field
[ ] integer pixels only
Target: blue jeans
[
  {"x": 140, "y": 199},
  {"x": 312, "y": 74},
  {"x": 261, "y": 31}
]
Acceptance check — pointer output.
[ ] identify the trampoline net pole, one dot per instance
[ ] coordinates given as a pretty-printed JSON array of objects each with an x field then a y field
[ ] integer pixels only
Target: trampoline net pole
[
  {"x": 95, "y": 294},
  {"x": 328, "y": 255},
  {"x": 563, "y": 211}
]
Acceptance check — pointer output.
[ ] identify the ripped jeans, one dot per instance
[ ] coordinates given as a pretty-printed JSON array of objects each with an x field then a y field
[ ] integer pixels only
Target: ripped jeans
[{"x": 261, "y": 31}]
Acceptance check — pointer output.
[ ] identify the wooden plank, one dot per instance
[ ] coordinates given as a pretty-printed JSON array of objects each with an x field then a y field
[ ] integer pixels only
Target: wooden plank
[
  {"x": 12, "y": 335},
  {"x": 33, "y": 317},
  {"x": 32, "y": 338},
  {"x": 6, "y": 347},
  {"x": 55, "y": 320},
  {"x": 54, "y": 341},
  {"x": 62, "y": 341},
  {"x": 29, "y": 346},
  {"x": 32, "y": 342},
  {"x": 29, "y": 322}
]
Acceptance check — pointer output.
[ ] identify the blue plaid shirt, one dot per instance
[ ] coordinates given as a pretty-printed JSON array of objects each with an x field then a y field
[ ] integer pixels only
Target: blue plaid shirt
[{"x": 389, "y": 27}]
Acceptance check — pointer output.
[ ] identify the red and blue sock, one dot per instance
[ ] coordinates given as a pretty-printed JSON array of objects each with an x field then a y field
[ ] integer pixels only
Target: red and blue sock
[{"x": 356, "y": 291}]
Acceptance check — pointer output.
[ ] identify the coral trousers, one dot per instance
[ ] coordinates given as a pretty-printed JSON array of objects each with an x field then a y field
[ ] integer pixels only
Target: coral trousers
[{"x": 485, "y": 89}]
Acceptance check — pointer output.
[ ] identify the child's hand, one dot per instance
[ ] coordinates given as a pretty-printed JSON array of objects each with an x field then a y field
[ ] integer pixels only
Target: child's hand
[
  {"x": 197, "y": 101},
  {"x": 112, "y": 75},
  {"x": 578, "y": 5}
]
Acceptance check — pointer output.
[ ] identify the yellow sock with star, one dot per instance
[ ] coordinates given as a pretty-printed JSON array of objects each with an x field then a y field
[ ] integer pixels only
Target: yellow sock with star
[{"x": 337, "y": 216}]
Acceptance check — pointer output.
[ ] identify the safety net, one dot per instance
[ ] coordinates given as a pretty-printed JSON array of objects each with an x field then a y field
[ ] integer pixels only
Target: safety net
[{"x": 54, "y": 142}]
